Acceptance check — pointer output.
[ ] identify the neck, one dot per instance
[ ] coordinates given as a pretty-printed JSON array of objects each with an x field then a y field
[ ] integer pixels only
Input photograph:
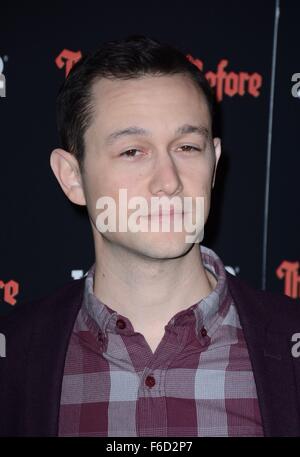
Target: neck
[{"x": 149, "y": 291}]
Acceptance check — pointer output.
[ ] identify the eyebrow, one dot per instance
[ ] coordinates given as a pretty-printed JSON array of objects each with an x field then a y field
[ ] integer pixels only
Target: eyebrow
[{"x": 133, "y": 130}]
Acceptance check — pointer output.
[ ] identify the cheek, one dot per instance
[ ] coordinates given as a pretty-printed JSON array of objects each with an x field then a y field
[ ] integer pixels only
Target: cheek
[
  {"x": 206, "y": 175},
  {"x": 202, "y": 181}
]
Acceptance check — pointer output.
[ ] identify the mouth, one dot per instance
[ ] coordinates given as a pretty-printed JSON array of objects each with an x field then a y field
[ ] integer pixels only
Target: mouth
[{"x": 170, "y": 213}]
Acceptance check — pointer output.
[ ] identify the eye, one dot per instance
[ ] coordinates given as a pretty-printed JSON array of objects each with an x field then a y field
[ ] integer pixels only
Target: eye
[
  {"x": 128, "y": 153},
  {"x": 190, "y": 147}
]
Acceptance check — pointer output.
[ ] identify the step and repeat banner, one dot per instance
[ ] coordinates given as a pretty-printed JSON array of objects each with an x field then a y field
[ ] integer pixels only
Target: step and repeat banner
[{"x": 248, "y": 52}]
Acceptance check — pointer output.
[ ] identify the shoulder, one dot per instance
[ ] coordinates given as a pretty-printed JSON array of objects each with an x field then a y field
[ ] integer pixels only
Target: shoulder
[
  {"x": 270, "y": 305},
  {"x": 30, "y": 313}
]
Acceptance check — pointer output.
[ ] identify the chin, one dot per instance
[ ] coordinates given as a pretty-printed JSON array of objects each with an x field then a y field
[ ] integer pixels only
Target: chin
[{"x": 158, "y": 246}]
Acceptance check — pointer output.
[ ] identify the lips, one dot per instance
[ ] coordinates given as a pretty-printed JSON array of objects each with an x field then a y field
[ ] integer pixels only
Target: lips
[{"x": 172, "y": 212}]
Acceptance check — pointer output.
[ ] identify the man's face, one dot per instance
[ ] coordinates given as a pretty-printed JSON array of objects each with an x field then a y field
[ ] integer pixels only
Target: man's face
[{"x": 165, "y": 162}]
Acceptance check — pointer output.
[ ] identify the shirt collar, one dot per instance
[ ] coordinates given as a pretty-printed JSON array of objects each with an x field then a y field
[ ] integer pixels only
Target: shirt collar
[{"x": 209, "y": 311}]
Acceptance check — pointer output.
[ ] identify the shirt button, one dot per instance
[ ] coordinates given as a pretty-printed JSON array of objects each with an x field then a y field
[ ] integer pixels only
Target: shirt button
[
  {"x": 120, "y": 323},
  {"x": 150, "y": 381},
  {"x": 203, "y": 332}
]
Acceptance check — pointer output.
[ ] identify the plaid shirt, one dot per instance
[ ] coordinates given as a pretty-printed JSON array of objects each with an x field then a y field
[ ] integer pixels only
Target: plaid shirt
[{"x": 199, "y": 381}]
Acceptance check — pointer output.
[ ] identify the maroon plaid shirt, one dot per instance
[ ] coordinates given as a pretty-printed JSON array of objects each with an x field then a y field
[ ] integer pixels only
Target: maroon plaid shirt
[{"x": 199, "y": 381}]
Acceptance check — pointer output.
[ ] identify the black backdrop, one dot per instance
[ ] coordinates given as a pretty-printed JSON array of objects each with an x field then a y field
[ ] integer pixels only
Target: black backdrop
[{"x": 254, "y": 221}]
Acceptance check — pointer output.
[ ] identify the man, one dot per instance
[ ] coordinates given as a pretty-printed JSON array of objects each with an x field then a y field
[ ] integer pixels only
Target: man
[{"x": 157, "y": 339}]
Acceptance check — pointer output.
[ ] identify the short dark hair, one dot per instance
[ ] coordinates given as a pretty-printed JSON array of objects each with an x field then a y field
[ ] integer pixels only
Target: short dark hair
[{"x": 130, "y": 58}]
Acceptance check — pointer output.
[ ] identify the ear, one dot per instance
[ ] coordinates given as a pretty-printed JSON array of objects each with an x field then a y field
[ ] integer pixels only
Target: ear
[
  {"x": 66, "y": 169},
  {"x": 217, "y": 152}
]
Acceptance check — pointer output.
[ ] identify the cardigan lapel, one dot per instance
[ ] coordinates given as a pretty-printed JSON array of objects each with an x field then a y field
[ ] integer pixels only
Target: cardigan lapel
[
  {"x": 270, "y": 354},
  {"x": 47, "y": 359}
]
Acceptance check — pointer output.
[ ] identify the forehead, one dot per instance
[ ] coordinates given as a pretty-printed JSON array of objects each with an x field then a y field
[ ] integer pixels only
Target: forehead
[
  {"x": 158, "y": 104},
  {"x": 147, "y": 94}
]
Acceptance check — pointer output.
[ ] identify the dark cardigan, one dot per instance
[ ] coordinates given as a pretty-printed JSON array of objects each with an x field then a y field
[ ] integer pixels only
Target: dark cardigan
[{"x": 38, "y": 332}]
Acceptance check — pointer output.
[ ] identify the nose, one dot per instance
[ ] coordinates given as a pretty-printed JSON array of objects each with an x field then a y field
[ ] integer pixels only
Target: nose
[{"x": 165, "y": 179}]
